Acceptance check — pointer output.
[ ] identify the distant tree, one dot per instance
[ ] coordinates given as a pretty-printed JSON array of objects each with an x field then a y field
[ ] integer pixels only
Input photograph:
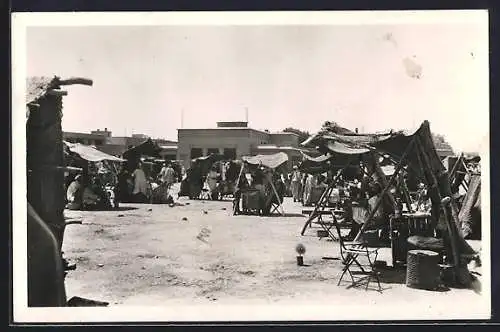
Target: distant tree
[
  {"x": 303, "y": 135},
  {"x": 334, "y": 127},
  {"x": 441, "y": 143}
]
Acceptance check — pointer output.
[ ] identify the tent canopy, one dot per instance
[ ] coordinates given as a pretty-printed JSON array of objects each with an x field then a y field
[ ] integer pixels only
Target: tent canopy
[
  {"x": 271, "y": 161},
  {"x": 90, "y": 153},
  {"x": 206, "y": 162},
  {"x": 146, "y": 148}
]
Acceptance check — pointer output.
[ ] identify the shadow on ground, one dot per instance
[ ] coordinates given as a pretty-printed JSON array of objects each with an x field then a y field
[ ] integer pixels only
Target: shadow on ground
[{"x": 123, "y": 208}]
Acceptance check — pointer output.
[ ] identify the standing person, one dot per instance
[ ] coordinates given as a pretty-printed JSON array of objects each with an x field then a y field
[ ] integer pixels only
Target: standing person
[
  {"x": 167, "y": 175},
  {"x": 212, "y": 181},
  {"x": 241, "y": 186},
  {"x": 296, "y": 183},
  {"x": 195, "y": 180},
  {"x": 122, "y": 192},
  {"x": 141, "y": 187}
]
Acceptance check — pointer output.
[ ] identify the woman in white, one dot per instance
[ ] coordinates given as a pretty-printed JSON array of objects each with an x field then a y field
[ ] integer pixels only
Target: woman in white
[
  {"x": 141, "y": 186},
  {"x": 296, "y": 177}
]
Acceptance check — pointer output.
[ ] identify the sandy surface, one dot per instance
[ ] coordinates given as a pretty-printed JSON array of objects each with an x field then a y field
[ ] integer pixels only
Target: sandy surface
[{"x": 147, "y": 255}]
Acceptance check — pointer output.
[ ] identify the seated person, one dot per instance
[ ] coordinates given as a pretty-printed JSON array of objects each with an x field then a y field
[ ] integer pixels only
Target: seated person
[{"x": 378, "y": 220}]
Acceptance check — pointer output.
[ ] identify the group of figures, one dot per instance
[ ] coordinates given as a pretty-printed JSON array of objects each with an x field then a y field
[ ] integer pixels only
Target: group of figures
[{"x": 102, "y": 190}]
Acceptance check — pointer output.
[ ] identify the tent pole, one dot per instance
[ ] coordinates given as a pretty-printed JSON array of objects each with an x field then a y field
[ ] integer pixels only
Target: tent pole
[
  {"x": 384, "y": 192},
  {"x": 239, "y": 176},
  {"x": 277, "y": 196},
  {"x": 447, "y": 221},
  {"x": 319, "y": 205}
]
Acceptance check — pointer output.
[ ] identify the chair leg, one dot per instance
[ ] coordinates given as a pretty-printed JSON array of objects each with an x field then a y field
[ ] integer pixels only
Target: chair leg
[{"x": 342, "y": 276}]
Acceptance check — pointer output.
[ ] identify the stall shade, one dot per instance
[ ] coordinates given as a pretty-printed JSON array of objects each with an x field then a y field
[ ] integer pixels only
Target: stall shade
[
  {"x": 414, "y": 151},
  {"x": 272, "y": 162},
  {"x": 90, "y": 153}
]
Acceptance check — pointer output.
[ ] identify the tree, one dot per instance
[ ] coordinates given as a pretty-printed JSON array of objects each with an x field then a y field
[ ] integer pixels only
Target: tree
[
  {"x": 441, "y": 143},
  {"x": 303, "y": 135}
]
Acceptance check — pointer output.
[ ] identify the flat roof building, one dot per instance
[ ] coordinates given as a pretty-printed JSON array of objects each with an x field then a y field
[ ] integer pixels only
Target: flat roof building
[{"x": 234, "y": 140}]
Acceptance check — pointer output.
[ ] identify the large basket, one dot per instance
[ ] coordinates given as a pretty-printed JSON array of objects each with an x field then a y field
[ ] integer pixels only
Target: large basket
[{"x": 423, "y": 271}]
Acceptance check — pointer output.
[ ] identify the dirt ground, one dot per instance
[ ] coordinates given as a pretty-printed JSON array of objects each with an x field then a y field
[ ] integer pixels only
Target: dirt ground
[{"x": 148, "y": 255}]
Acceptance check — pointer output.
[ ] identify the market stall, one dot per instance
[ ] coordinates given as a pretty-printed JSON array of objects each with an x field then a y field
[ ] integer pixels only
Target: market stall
[
  {"x": 409, "y": 152},
  {"x": 265, "y": 193},
  {"x": 100, "y": 172}
]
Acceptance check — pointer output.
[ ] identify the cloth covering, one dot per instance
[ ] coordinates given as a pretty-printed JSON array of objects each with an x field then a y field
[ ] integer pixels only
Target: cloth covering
[
  {"x": 470, "y": 213},
  {"x": 271, "y": 161},
  {"x": 89, "y": 153}
]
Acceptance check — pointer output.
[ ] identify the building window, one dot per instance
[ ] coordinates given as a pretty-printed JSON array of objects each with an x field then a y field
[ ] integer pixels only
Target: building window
[
  {"x": 196, "y": 152},
  {"x": 230, "y": 153},
  {"x": 212, "y": 151}
]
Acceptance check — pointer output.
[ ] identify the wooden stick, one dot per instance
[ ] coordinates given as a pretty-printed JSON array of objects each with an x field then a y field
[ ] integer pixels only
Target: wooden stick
[
  {"x": 455, "y": 166},
  {"x": 454, "y": 250},
  {"x": 76, "y": 80},
  {"x": 56, "y": 92},
  {"x": 320, "y": 203},
  {"x": 236, "y": 187},
  {"x": 384, "y": 192},
  {"x": 276, "y": 193}
]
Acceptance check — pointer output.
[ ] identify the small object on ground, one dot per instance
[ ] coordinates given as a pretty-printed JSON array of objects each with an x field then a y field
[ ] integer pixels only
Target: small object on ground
[
  {"x": 121, "y": 215},
  {"x": 300, "y": 260},
  {"x": 205, "y": 212},
  {"x": 204, "y": 234},
  {"x": 301, "y": 250},
  {"x": 70, "y": 267},
  {"x": 224, "y": 209},
  {"x": 77, "y": 301},
  {"x": 184, "y": 219},
  {"x": 187, "y": 203},
  {"x": 149, "y": 210},
  {"x": 100, "y": 265}
]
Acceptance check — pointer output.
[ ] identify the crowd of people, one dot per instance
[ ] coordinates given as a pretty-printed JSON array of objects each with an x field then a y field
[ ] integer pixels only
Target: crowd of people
[
  {"x": 102, "y": 190},
  {"x": 134, "y": 185}
]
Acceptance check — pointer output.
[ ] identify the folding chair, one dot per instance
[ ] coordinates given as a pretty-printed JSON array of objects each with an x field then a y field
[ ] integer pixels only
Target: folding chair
[{"x": 351, "y": 254}]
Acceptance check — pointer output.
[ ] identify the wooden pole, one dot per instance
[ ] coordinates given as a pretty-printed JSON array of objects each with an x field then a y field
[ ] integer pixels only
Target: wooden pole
[
  {"x": 456, "y": 259},
  {"x": 56, "y": 92},
  {"x": 277, "y": 196},
  {"x": 75, "y": 80},
  {"x": 323, "y": 196}
]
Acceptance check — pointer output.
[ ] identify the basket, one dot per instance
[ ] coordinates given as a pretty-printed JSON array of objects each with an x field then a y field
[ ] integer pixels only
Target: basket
[{"x": 423, "y": 270}]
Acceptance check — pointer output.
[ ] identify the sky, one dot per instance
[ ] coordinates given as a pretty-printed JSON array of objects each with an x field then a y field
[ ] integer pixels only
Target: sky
[{"x": 371, "y": 77}]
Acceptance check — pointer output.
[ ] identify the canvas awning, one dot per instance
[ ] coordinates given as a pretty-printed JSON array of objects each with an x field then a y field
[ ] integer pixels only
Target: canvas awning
[
  {"x": 89, "y": 153},
  {"x": 146, "y": 148},
  {"x": 271, "y": 161}
]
